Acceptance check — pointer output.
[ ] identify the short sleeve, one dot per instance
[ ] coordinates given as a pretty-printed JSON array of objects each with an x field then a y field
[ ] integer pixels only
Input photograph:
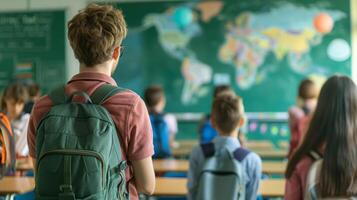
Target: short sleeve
[
  {"x": 172, "y": 123},
  {"x": 41, "y": 107},
  {"x": 31, "y": 138},
  {"x": 140, "y": 145},
  {"x": 253, "y": 166}
]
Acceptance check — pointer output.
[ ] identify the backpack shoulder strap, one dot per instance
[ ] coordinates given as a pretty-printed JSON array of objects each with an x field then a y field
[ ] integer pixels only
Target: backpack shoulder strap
[
  {"x": 208, "y": 149},
  {"x": 105, "y": 91},
  {"x": 314, "y": 155},
  {"x": 58, "y": 95},
  {"x": 311, "y": 182},
  {"x": 240, "y": 153}
]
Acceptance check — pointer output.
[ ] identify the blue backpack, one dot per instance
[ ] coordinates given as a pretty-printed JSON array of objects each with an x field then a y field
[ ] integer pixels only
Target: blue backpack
[
  {"x": 222, "y": 174},
  {"x": 161, "y": 136},
  {"x": 207, "y": 132}
]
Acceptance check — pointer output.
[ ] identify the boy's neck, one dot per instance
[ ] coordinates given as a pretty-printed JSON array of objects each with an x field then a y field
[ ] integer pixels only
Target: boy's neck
[
  {"x": 103, "y": 68},
  {"x": 233, "y": 134}
]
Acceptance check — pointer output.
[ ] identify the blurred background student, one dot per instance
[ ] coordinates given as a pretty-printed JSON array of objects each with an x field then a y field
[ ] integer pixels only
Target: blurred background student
[
  {"x": 12, "y": 105},
  {"x": 331, "y": 136},
  {"x": 299, "y": 115},
  {"x": 164, "y": 125},
  {"x": 34, "y": 94},
  {"x": 206, "y": 132}
]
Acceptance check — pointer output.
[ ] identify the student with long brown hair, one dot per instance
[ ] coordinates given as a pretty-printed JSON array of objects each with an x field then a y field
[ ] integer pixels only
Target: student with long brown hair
[{"x": 333, "y": 134}]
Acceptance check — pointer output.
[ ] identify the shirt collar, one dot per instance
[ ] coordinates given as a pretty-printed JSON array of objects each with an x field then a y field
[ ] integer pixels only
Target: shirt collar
[
  {"x": 229, "y": 142},
  {"x": 93, "y": 76}
]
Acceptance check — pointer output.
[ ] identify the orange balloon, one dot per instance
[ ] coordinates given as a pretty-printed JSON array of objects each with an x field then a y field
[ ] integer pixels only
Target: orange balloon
[{"x": 323, "y": 23}]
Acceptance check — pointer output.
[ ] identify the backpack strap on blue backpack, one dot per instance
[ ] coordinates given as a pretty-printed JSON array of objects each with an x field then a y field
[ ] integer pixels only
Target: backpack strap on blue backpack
[
  {"x": 240, "y": 153},
  {"x": 103, "y": 92},
  {"x": 208, "y": 149}
]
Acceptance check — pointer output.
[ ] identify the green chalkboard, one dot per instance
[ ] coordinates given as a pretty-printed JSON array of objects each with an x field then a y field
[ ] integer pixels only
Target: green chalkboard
[
  {"x": 261, "y": 49},
  {"x": 32, "y": 47}
]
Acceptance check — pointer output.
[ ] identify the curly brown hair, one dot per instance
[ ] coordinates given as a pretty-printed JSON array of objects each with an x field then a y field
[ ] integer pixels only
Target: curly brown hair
[{"x": 95, "y": 32}]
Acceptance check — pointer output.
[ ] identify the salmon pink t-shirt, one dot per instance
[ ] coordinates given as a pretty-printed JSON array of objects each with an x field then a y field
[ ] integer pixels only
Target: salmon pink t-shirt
[{"x": 127, "y": 110}]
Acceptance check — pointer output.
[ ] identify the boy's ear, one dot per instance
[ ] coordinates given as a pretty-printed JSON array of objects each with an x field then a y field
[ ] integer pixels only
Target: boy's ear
[
  {"x": 116, "y": 53},
  {"x": 241, "y": 122}
]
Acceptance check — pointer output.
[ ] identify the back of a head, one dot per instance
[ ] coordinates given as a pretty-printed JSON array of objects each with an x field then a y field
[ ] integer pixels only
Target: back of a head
[
  {"x": 33, "y": 90},
  {"x": 153, "y": 95},
  {"x": 16, "y": 92},
  {"x": 95, "y": 32},
  {"x": 227, "y": 111},
  {"x": 333, "y": 123},
  {"x": 336, "y": 116},
  {"x": 308, "y": 90},
  {"x": 221, "y": 90}
]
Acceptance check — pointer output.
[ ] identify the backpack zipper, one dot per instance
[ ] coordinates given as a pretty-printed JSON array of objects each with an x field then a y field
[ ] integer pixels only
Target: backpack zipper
[{"x": 77, "y": 152}]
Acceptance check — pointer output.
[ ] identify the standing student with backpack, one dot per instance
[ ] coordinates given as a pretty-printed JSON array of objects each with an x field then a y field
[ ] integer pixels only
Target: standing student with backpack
[
  {"x": 299, "y": 115},
  {"x": 332, "y": 133},
  {"x": 223, "y": 169},
  {"x": 164, "y": 125},
  {"x": 91, "y": 139},
  {"x": 206, "y": 132}
]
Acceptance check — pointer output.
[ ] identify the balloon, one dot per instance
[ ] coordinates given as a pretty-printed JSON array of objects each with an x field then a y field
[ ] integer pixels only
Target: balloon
[
  {"x": 323, "y": 23},
  {"x": 183, "y": 16}
]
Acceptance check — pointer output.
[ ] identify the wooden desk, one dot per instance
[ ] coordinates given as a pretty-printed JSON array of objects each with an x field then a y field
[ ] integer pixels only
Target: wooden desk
[
  {"x": 272, "y": 188},
  {"x": 264, "y": 154},
  {"x": 24, "y": 164},
  {"x": 269, "y": 167},
  {"x": 276, "y": 154},
  {"x": 177, "y": 187},
  {"x": 16, "y": 184},
  {"x": 257, "y": 144},
  {"x": 164, "y": 186},
  {"x": 251, "y": 144},
  {"x": 172, "y": 165},
  {"x": 284, "y": 144}
]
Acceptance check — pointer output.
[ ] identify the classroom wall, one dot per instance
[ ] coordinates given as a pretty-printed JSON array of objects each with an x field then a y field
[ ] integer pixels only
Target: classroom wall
[{"x": 72, "y": 7}]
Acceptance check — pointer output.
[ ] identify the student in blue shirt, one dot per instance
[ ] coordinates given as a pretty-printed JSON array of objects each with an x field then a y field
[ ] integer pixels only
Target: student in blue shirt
[
  {"x": 206, "y": 131},
  {"x": 227, "y": 117}
]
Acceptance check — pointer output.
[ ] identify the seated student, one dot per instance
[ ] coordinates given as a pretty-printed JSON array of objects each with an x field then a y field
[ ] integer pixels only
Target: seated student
[
  {"x": 331, "y": 133},
  {"x": 12, "y": 104},
  {"x": 299, "y": 115},
  {"x": 227, "y": 117},
  {"x": 164, "y": 125},
  {"x": 206, "y": 131},
  {"x": 34, "y": 94}
]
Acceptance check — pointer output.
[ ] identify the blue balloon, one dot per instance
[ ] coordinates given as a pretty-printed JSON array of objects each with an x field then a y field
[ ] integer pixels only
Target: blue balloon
[{"x": 183, "y": 17}]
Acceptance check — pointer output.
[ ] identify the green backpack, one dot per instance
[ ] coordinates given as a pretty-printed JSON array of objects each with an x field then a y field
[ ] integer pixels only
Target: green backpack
[{"x": 78, "y": 150}]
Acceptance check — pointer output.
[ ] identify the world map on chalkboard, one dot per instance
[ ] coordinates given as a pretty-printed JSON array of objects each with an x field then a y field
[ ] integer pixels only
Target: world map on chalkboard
[{"x": 241, "y": 44}]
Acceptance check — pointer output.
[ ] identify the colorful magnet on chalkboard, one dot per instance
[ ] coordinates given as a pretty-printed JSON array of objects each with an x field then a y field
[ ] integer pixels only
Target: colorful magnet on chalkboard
[
  {"x": 274, "y": 130},
  {"x": 263, "y": 128},
  {"x": 253, "y": 126},
  {"x": 284, "y": 131}
]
